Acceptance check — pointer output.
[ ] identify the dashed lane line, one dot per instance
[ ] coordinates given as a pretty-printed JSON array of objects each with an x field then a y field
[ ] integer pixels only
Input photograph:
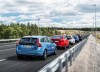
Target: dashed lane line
[
  {"x": 2, "y": 60},
  {"x": 7, "y": 49}
]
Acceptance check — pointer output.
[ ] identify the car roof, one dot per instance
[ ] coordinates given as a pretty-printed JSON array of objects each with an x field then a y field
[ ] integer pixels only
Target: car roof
[
  {"x": 34, "y": 36},
  {"x": 59, "y": 35},
  {"x": 68, "y": 35}
]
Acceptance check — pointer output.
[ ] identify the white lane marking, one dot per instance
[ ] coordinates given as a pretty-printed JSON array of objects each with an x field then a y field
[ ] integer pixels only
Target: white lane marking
[
  {"x": 7, "y": 49},
  {"x": 2, "y": 60},
  {"x": 6, "y": 45}
]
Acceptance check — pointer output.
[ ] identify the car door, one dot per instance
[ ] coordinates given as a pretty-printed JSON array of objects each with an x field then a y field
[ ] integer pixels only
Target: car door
[
  {"x": 66, "y": 40},
  {"x": 48, "y": 46},
  {"x": 52, "y": 45}
]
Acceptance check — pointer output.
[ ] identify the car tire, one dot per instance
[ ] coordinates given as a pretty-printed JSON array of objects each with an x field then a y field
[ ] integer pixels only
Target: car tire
[
  {"x": 55, "y": 51},
  {"x": 73, "y": 43},
  {"x": 68, "y": 46},
  {"x": 65, "y": 47},
  {"x": 44, "y": 55},
  {"x": 19, "y": 56}
]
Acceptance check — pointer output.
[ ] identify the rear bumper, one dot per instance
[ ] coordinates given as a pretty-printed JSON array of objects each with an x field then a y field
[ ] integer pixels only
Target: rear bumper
[
  {"x": 38, "y": 52},
  {"x": 71, "y": 42},
  {"x": 60, "y": 45},
  {"x": 29, "y": 53}
]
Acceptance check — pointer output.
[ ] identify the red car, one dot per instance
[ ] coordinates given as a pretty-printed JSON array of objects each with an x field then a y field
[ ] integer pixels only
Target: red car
[{"x": 60, "y": 41}]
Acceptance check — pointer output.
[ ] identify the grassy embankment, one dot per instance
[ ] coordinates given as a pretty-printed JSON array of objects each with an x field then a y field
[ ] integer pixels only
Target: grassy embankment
[
  {"x": 98, "y": 38},
  {"x": 71, "y": 32}
]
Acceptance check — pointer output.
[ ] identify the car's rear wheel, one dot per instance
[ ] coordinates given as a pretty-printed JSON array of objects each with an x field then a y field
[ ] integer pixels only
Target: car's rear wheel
[
  {"x": 65, "y": 47},
  {"x": 68, "y": 46},
  {"x": 72, "y": 43},
  {"x": 44, "y": 55},
  {"x": 55, "y": 51},
  {"x": 19, "y": 56}
]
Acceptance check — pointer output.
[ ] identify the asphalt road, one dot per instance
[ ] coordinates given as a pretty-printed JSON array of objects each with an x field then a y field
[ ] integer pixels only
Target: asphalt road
[{"x": 10, "y": 63}]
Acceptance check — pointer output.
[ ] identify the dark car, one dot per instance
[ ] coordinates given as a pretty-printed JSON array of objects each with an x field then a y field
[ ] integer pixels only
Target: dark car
[
  {"x": 80, "y": 37},
  {"x": 76, "y": 38}
]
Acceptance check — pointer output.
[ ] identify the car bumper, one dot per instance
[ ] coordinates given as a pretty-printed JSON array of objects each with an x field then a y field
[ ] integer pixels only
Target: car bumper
[{"x": 33, "y": 53}]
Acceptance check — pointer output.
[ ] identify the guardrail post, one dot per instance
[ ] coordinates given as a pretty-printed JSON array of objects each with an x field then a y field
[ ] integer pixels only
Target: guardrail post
[
  {"x": 60, "y": 65},
  {"x": 66, "y": 62},
  {"x": 70, "y": 57},
  {"x": 73, "y": 54},
  {"x": 79, "y": 48},
  {"x": 49, "y": 70},
  {"x": 76, "y": 50}
]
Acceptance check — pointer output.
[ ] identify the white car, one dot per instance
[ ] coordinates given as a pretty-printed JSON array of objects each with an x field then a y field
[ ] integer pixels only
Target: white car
[{"x": 70, "y": 39}]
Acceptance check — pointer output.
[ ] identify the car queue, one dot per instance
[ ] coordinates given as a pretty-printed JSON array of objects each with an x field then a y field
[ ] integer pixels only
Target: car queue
[{"x": 43, "y": 46}]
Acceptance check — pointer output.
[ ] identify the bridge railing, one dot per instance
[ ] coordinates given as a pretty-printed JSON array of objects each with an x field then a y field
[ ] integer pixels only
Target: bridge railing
[
  {"x": 8, "y": 40},
  {"x": 61, "y": 63}
]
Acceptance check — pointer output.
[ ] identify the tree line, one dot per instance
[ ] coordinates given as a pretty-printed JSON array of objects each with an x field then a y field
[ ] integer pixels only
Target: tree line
[
  {"x": 82, "y": 29},
  {"x": 16, "y": 30}
]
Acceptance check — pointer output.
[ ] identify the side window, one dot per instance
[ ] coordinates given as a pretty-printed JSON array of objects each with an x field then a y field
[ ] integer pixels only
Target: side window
[
  {"x": 49, "y": 40},
  {"x": 46, "y": 39},
  {"x": 42, "y": 40},
  {"x": 65, "y": 37}
]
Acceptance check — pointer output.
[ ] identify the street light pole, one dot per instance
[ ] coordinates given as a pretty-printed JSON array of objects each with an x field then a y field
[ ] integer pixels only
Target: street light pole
[
  {"x": 95, "y": 21},
  {"x": 38, "y": 25},
  {"x": 93, "y": 26}
]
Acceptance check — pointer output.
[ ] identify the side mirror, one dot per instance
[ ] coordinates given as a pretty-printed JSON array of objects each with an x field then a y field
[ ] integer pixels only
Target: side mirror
[{"x": 52, "y": 42}]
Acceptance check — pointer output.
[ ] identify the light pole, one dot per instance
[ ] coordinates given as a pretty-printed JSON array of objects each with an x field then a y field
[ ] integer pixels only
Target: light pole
[
  {"x": 38, "y": 25},
  {"x": 93, "y": 26},
  {"x": 95, "y": 20}
]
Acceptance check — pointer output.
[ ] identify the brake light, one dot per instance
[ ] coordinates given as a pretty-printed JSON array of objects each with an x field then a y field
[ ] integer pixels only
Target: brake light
[
  {"x": 38, "y": 44},
  {"x": 61, "y": 40}
]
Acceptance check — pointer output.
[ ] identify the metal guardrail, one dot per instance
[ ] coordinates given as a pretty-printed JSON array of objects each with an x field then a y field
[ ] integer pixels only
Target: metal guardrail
[
  {"x": 8, "y": 40},
  {"x": 61, "y": 63}
]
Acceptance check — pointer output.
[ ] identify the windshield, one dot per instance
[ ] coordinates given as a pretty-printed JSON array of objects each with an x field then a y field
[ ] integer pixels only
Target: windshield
[
  {"x": 57, "y": 37},
  {"x": 28, "y": 41},
  {"x": 68, "y": 37}
]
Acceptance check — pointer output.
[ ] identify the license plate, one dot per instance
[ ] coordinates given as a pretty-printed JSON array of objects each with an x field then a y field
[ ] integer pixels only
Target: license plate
[
  {"x": 56, "y": 41},
  {"x": 27, "y": 46}
]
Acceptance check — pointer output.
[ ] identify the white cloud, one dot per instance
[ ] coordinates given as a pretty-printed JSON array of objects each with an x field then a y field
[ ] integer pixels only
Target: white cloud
[{"x": 60, "y": 13}]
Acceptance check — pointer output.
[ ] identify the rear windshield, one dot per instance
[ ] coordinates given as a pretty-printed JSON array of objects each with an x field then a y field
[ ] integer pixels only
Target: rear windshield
[
  {"x": 28, "y": 41},
  {"x": 75, "y": 36},
  {"x": 68, "y": 37},
  {"x": 57, "y": 37}
]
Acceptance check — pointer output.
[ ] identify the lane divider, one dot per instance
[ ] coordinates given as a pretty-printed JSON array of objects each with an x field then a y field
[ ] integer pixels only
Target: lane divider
[
  {"x": 7, "y": 49},
  {"x": 2, "y": 60},
  {"x": 6, "y": 45}
]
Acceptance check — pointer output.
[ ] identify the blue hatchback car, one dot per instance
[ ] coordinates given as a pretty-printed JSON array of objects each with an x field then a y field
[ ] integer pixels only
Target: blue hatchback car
[{"x": 35, "y": 46}]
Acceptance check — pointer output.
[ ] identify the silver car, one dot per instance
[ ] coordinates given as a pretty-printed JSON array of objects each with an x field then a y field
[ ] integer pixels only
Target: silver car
[{"x": 71, "y": 39}]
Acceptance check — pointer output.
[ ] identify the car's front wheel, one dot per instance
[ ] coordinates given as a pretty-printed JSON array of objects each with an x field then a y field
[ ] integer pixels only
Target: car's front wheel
[
  {"x": 55, "y": 51},
  {"x": 65, "y": 47}
]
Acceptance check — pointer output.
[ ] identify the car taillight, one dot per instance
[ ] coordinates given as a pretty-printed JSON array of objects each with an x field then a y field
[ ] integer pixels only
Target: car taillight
[
  {"x": 61, "y": 40},
  {"x": 38, "y": 44}
]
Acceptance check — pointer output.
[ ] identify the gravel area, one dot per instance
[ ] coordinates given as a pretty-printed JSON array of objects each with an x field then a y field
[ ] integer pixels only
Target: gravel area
[{"x": 89, "y": 58}]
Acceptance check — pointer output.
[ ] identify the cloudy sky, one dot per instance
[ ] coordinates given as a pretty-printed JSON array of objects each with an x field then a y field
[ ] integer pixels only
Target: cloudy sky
[{"x": 59, "y": 13}]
